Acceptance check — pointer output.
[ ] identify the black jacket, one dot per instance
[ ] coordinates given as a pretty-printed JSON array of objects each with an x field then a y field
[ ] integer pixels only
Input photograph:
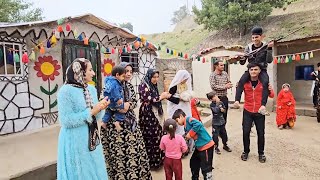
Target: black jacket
[
  {"x": 263, "y": 57},
  {"x": 217, "y": 115}
]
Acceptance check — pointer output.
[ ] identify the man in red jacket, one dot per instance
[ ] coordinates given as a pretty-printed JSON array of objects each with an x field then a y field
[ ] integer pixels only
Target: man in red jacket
[{"x": 253, "y": 90}]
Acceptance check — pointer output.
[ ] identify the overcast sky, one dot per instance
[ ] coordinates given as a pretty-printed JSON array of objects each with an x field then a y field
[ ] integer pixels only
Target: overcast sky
[{"x": 147, "y": 16}]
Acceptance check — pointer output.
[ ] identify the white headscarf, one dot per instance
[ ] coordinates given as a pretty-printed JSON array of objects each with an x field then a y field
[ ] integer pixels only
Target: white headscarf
[
  {"x": 185, "y": 106},
  {"x": 181, "y": 76}
]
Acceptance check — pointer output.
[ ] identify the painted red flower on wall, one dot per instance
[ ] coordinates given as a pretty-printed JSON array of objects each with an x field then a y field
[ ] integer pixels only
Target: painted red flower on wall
[
  {"x": 107, "y": 66},
  {"x": 47, "y": 68}
]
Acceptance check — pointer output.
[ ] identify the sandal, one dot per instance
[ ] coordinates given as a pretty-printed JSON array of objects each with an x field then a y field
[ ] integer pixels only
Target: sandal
[
  {"x": 262, "y": 158},
  {"x": 244, "y": 156}
]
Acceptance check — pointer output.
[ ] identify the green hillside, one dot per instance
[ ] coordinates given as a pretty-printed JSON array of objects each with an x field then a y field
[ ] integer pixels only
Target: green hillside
[{"x": 191, "y": 38}]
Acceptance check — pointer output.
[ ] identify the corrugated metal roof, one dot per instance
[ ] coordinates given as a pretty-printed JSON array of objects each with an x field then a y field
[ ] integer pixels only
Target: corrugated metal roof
[
  {"x": 96, "y": 21},
  {"x": 229, "y": 48},
  {"x": 89, "y": 18},
  {"x": 298, "y": 38}
]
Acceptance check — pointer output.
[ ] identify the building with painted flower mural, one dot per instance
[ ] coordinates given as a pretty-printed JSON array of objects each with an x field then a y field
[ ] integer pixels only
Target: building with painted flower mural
[{"x": 34, "y": 57}]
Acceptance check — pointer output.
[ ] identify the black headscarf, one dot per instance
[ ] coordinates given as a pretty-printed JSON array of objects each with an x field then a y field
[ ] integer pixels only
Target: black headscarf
[
  {"x": 153, "y": 88},
  {"x": 125, "y": 89}
]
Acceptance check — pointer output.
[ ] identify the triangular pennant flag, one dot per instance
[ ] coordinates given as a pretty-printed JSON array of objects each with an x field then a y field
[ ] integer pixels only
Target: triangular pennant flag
[
  {"x": 279, "y": 59},
  {"x": 159, "y": 48},
  {"x": 311, "y": 54},
  {"x": 203, "y": 60},
  {"x": 198, "y": 58},
  {"x": 186, "y": 56},
  {"x": 302, "y": 56},
  {"x": 287, "y": 59},
  {"x": 275, "y": 60},
  {"x": 307, "y": 56},
  {"x": 290, "y": 58},
  {"x": 107, "y": 50},
  {"x": 171, "y": 52},
  {"x": 283, "y": 59},
  {"x": 32, "y": 56},
  {"x": 293, "y": 57},
  {"x": 298, "y": 58},
  {"x": 48, "y": 44},
  {"x": 16, "y": 57},
  {"x": 168, "y": 51},
  {"x": 25, "y": 58}
]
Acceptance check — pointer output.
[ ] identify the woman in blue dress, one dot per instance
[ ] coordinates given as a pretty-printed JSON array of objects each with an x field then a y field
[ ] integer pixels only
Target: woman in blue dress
[{"x": 80, "y": 155}]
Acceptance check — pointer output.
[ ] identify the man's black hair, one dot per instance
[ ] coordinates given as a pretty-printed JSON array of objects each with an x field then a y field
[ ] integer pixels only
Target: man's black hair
[
  {"x": 177, "y": 114},
  {"x": 118, "y": 70},
  {"x": 257, "y": 31},
  {"x": 251, "y": 65},
  {"x": 318, "y": 64},
  {"x": 216, "y": 63}
]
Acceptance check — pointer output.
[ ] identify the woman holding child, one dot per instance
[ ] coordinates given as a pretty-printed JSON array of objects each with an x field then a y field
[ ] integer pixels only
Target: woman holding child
[
  {"x": 151, "y": 116},
  {"x": 124, "y": 149}
]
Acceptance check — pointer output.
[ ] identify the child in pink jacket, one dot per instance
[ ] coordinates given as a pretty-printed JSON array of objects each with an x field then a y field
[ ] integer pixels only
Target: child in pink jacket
[{"x": 173, "y": 145}]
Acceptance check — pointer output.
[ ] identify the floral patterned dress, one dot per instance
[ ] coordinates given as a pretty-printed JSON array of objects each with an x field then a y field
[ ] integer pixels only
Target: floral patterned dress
[
  {"x": 149, "y": 122},
  {"x": 125, "y": 151}
]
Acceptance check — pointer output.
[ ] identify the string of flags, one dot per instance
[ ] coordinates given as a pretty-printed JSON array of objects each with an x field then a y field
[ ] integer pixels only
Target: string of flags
[
  {"x": 175, "y": 52},
  {"x": 213, "y": 59},
  {"x": 288, "y": 58},
  {"x": 52, "y": 40}
]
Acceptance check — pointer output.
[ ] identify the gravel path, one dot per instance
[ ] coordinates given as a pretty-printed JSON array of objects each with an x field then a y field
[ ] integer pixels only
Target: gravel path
[{"x": 291, "y": 154}]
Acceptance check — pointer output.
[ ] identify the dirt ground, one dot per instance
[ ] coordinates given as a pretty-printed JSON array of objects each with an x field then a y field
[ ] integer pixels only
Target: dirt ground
[{"x": 291, "y": 154}]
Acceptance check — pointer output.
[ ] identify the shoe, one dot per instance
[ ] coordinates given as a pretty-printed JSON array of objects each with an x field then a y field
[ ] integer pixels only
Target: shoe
[
  {"x": 227, "y": 148},
  {"x": 244, "y": 156},
  {"x": 218, "y": 151},
  {"x": 262, "y": 158}
]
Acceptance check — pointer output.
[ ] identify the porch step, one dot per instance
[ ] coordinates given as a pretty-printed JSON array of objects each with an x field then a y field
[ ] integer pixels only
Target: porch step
[{"x": 303, "y": 110}]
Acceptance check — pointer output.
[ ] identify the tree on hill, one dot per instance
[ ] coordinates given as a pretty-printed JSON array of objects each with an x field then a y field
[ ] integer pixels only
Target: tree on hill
[
  {"x": 179, "y": 14},
  {"x": 19, "y": 11},
  {"x": 127, "y": 25},
  {"x": 235, "y": 14}
]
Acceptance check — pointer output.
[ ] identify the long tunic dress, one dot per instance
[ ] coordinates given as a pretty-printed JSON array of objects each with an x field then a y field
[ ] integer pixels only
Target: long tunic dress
[
  {"x": 125, "y": 151},
  {"x": 285, "y": 112},
  {"x": 149, "y": 121},
  {"x": 75, "y": 161}
]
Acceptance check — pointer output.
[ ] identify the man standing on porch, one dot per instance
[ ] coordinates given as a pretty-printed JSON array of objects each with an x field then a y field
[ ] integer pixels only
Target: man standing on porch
[
  {"x": 220, "y": 83},
  {"x": 253, "y": 91},
  {"x": 315, "y": 87}
]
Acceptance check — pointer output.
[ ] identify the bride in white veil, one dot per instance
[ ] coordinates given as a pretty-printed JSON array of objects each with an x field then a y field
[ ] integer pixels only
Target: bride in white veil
[{"x": 181, "y": 93}]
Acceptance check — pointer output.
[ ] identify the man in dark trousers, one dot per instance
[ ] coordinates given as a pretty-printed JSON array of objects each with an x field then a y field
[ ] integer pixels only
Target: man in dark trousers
[
  {"x": 253, "y": 91},
  {"x": 262, "y": 57},
  {"x": 316, "y": 76},
  {"x": 220, "y": 83}
]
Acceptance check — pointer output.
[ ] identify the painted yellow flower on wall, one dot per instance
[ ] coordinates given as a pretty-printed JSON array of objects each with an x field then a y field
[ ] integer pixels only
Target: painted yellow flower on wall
[
  {"x": 47, "y": 68},
  {"x": 107, "y": 67}
]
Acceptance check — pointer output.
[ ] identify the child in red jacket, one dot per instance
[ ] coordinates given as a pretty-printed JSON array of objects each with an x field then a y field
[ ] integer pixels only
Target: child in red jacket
[{"x": 195, "y": 113}]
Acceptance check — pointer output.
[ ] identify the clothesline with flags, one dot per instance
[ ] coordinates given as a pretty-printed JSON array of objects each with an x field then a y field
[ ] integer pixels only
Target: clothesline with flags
[{"x": 288, "y": 58}]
